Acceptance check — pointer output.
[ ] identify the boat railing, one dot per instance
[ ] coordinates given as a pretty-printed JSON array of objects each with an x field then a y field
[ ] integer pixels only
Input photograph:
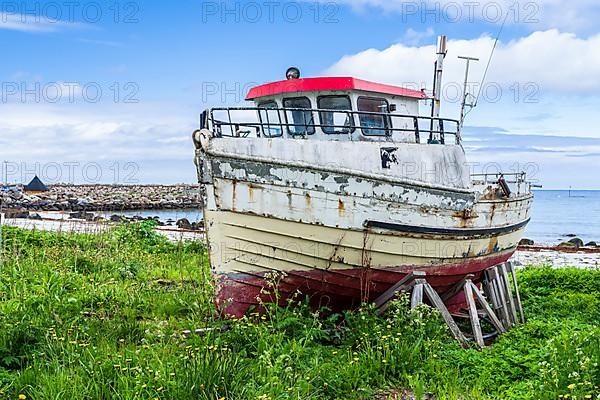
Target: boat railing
[
  {"x": 517, "y": 181},
  {"x": 273, "y": 122},
  {"x": 493, "y": 177}
]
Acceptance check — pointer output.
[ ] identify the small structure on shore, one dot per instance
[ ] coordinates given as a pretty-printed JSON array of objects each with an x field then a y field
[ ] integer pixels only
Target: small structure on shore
[{"x": 35, "y": 186}]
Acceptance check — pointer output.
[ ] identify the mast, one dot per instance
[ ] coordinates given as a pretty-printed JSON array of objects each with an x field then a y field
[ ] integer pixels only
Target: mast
[
  {"x": 435, "y": 136},
  {"x": 465, "y": 94}
]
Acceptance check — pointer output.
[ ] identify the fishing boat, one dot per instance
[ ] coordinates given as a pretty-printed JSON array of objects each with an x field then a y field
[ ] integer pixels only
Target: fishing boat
[{"x": 335, "y": 188}]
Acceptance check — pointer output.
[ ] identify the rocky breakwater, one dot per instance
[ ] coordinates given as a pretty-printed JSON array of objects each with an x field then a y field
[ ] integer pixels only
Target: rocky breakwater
[{"x": 104, "y": 198}]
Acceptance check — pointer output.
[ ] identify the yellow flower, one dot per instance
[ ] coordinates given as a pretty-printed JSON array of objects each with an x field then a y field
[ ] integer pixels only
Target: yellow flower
[
  {"x": 587, "y": 396},
  {"x": 22, "y": 397},
  {"x": 571, "y": 386}
]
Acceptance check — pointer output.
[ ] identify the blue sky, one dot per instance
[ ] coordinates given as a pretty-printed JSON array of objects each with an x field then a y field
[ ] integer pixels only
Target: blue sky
[{"x": 158, "y": 65}]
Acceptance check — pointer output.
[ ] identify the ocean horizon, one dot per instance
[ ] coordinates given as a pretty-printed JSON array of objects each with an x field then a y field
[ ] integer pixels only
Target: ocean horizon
[{"x": 556, "y": 215}]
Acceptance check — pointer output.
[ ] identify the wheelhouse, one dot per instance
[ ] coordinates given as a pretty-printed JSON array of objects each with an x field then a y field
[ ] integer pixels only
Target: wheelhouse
[{"x": 332, "y": 108}]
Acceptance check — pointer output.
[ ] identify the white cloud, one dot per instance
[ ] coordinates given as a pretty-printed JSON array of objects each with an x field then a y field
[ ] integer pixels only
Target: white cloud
[
  {"x": 16, "y": 22},
  {"x": 412, "y": 37},
  {"x": 554, "y": 130},
  {"x": 576, "y": 15},
  {"x": 34, "y": 23},
  {"x": 553, "y": 60},
  {"x": 57, "y": 133},
  {"x": 107, "y": 43}
]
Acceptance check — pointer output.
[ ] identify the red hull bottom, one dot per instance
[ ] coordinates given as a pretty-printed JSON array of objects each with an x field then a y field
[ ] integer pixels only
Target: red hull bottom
[{"x": 341, "y": 289}]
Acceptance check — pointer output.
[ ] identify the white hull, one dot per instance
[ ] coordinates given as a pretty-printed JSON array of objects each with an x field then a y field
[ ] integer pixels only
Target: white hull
[{"x": 276, "y": 206}]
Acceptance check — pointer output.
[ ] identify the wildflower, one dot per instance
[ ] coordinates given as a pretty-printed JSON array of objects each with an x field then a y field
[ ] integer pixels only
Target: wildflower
[
  {"x": 587, "y": 396},
  {"x": 571, "y": 386},
  {"x": 22, "y": 397}
]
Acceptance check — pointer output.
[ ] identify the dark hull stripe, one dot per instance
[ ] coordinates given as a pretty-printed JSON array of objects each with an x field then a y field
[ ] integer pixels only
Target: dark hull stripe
[{"x": 445, "y": 231}]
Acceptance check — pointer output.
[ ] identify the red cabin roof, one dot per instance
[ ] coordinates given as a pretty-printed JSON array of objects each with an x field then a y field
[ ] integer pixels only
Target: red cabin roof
[{"x": 330, "y": 83}]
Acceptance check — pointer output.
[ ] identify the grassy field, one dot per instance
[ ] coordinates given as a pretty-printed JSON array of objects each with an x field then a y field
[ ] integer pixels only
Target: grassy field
[{"x": 100, "y": 317}]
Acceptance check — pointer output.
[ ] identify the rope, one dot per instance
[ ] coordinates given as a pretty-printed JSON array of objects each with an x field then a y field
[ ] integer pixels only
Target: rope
[{"x": 490, "y": 60}]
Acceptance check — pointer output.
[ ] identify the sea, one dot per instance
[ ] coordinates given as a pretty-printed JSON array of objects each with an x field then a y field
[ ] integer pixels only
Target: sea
[{"x": 556, "y": 216}]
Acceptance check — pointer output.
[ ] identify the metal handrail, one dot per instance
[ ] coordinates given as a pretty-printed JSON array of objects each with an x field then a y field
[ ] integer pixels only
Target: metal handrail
[
  {"x": 261, "y": 127},
  {"x": 519, "y": 177}
]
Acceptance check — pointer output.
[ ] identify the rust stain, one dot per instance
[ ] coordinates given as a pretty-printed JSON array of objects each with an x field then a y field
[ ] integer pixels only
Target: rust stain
[
  {"x": 341, "y": 208},
  {"x": 233, "y": 195},
  {"x": 289, "y": 196},
  {"x": 308, "y": 199},
  {"x": 492, "y": 245},
  {"x": 492, "y": 212},
  {"x": 250, "y": 194},
  {"x": 465, "y": 217},
  {"x": 489, "y": 193}
]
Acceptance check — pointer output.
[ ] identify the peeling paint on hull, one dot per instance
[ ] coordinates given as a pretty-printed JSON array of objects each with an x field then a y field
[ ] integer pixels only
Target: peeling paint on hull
[
  {"x": 342, "y": 266},
  {"x": 340, "y": 289},
  {"x": 343, "y": 234}
]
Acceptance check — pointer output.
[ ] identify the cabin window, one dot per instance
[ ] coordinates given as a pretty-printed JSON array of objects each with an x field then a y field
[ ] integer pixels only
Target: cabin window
[
  {"x": 373, "y": 125},
  {"x": 300, "y": 122},
  {"x": 270, "y": 118},
  {"x": 335, "y": 122}
]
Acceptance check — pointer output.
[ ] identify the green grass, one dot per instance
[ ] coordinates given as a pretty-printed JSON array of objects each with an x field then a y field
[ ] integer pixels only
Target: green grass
[{"x": 101, "y": 316}]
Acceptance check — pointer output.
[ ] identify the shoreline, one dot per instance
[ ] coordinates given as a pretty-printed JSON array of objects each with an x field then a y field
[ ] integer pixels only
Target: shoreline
[
  {"x": 81, "y": 226},
  {"x": 556, "y": 256},
  {"x": 94, "y": 198}
]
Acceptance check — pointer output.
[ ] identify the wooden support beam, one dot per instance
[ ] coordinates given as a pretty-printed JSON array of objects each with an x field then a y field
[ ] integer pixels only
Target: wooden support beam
[
  {"x": 511, "y": 268},
  {"x": 416, "y": 297},
  {"x": 454, "y": 290},
  {"x": 491, "y": 314},
  {"x": 509, "y": 295},
  {"x": 389, "y": 294},
  {"x": 499, "y": 289},
  {"x": 490, "y": 292},
  {"x": 504, "y": 311},
  {"x": 473, "y": 313},
  {"x": 439, "y": 304}
]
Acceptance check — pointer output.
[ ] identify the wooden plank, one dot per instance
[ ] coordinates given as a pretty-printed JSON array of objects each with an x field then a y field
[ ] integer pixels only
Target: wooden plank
[
  {"x": 498, "y": 287},
  {"x": 491, "y": 314},
  {"x": 473, "y": 313},
  {"x": 439, "y": 304},
  {"x": 517, "y": 295},
  {"x": 403, "y": 288},
  {"x": 391, "y": 292},
  {"x": 488, "y": 286},
  {"x": 417, "y": 294},
  {"x": 456, "y": 288},
  {"x": 509, "y": 295}
]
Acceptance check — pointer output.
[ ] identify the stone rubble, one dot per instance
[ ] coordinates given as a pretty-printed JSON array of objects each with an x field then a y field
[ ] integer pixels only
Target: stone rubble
[{"x": 104, "y": 198}]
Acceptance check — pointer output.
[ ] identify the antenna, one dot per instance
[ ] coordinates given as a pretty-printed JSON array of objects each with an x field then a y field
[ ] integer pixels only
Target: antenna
[
  {"x": 437, "y": 89},
  {"x": 465, "y": 94},
  {"x": 490, "y": 60}
]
